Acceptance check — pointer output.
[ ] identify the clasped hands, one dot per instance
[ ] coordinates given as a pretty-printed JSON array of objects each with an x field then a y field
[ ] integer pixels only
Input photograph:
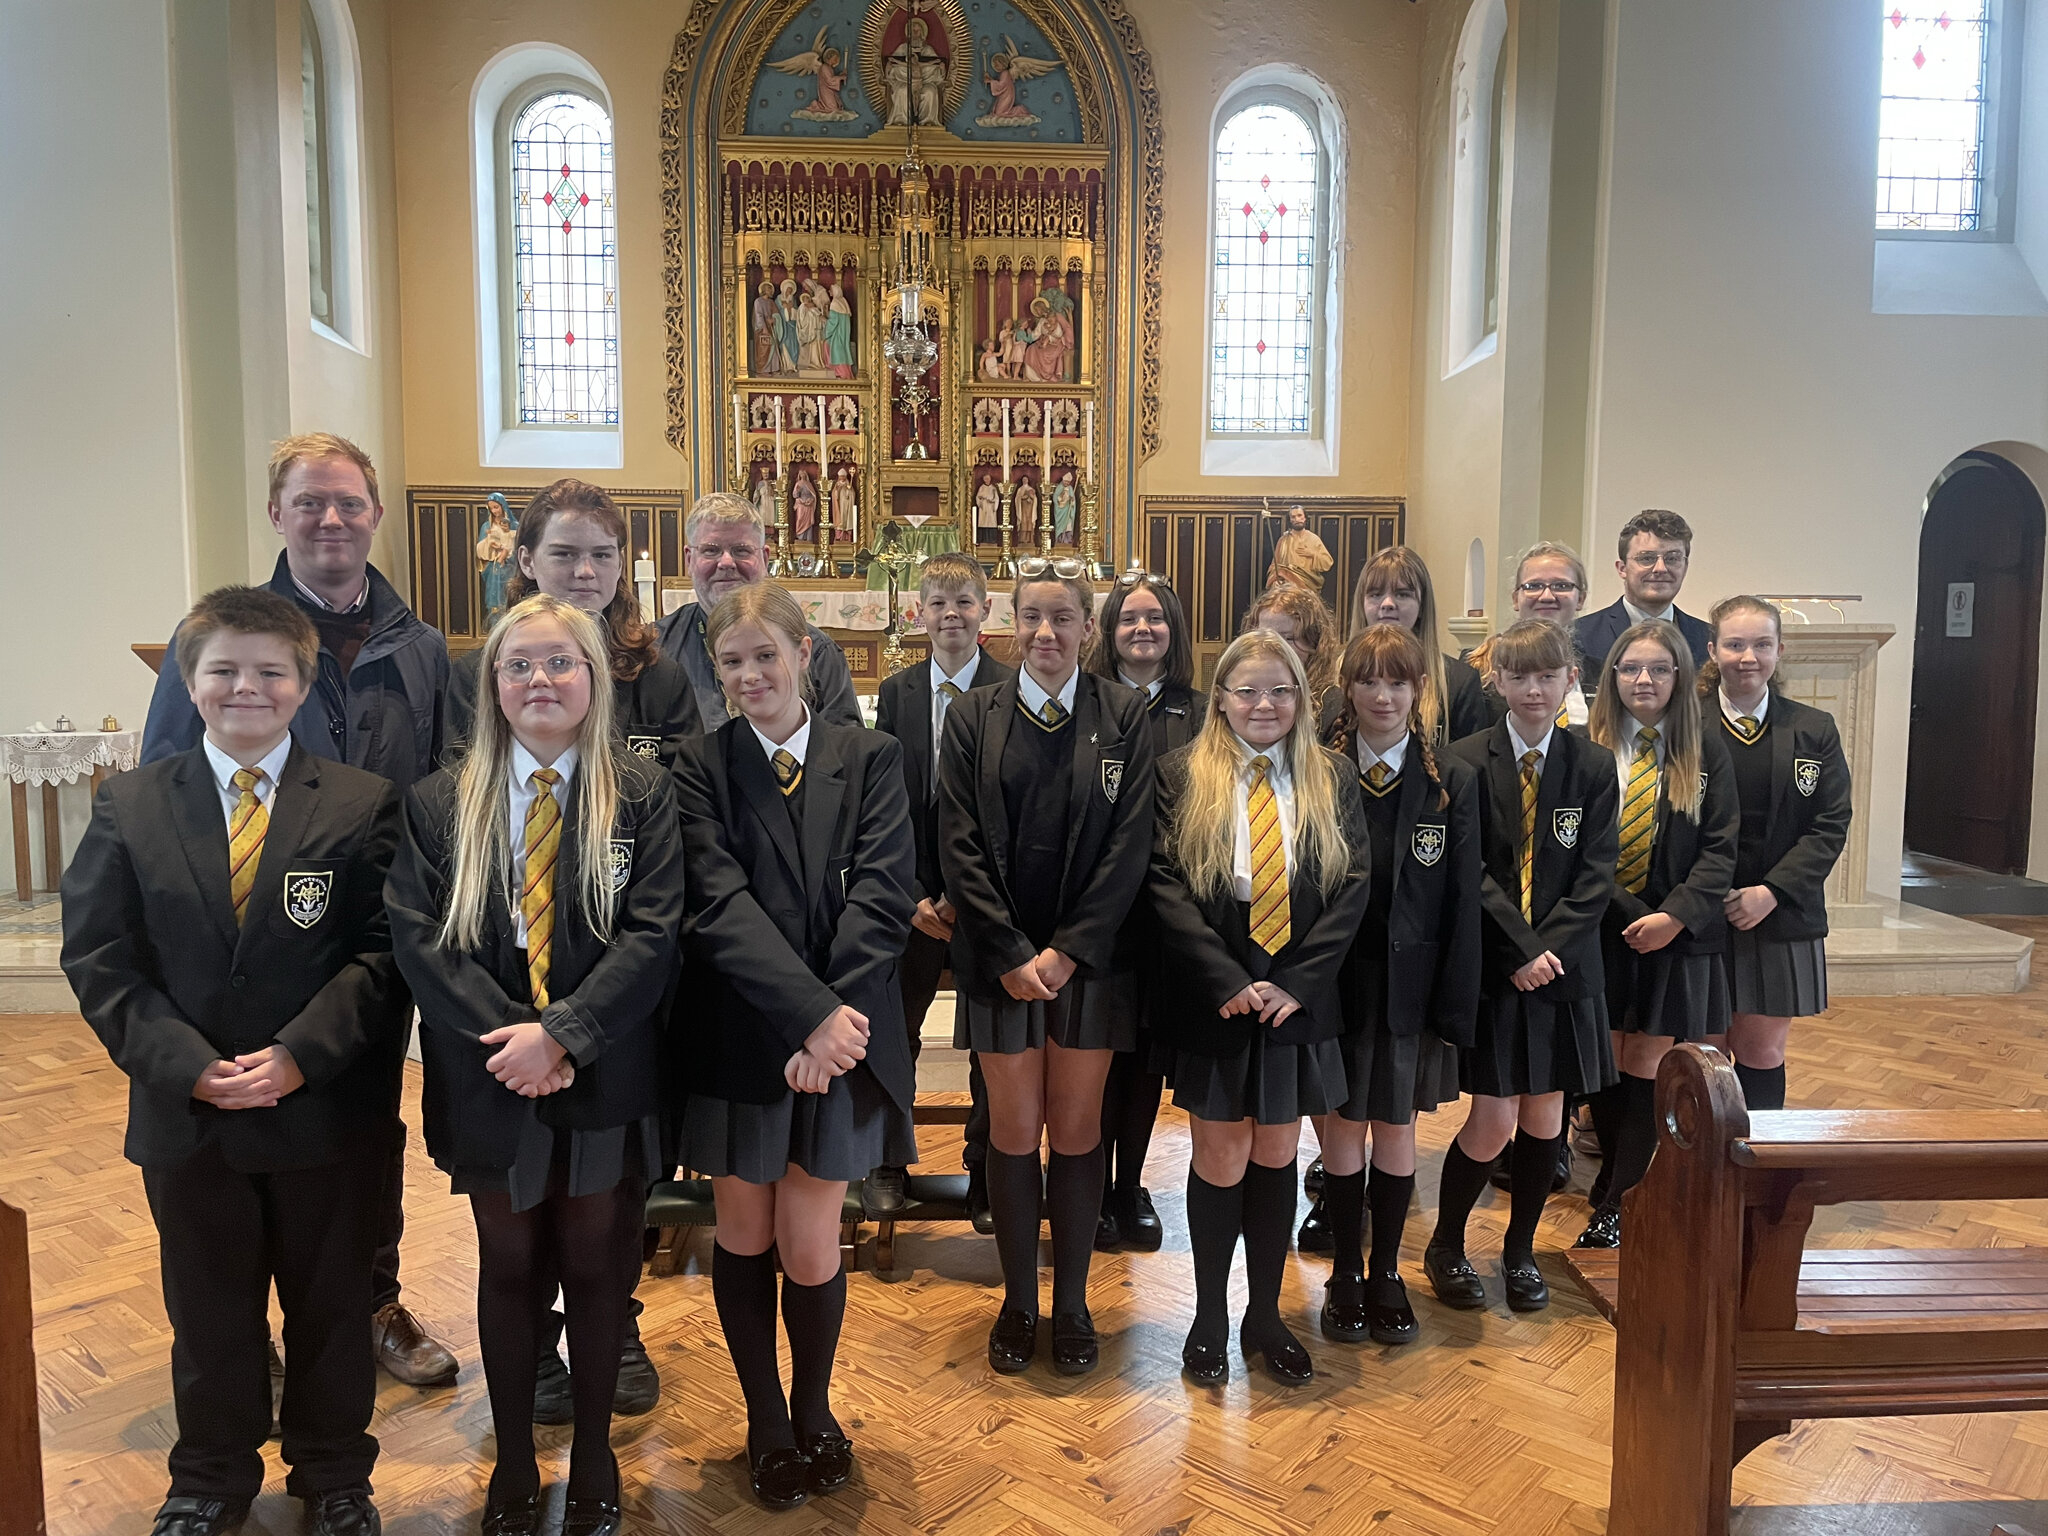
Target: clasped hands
[
  {"x": 1748, "y": 905},
  {"x": 255, "y": 1081},
  {"x": 530, "y": 1061},
  {"x": 1039, "y": 979},
  {"x": 834, "y": 1048},
  {"x": 1272, "y": 1004}
]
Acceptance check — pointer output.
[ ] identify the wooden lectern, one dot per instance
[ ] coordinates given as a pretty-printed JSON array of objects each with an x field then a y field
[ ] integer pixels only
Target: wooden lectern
[{"x": 21, "y": 1459}]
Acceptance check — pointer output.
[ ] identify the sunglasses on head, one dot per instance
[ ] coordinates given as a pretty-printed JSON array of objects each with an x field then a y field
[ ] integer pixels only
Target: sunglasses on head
[
  {"x": 1066, "y": 567},
  {"x": 1137, "y": 574}
]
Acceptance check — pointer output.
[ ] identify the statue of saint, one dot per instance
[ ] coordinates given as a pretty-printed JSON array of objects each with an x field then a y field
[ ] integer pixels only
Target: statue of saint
[
  {"x": 916, "y": 75},
  {"x": 988, "y": 508},
  {"x": 803, "y": 507},
  {"x": 1024, "y": 511},
  {"x": 1065, "y": 508},
  {"x": 1299, "y": 556}
]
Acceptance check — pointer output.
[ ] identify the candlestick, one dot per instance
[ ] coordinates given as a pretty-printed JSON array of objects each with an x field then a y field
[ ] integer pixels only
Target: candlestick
[
  {"x": 1091, "y": 442},
  {"x": 739, "y": 440},
  {"x": 783, "y": 564},
  {"x": 1091, "y": 534},
  {"x": 778, "y": 438},
  {"x": 1006, "y": 442},
  {"x": 1006, "y": 559},
  {"x": 825, "y": 564}
]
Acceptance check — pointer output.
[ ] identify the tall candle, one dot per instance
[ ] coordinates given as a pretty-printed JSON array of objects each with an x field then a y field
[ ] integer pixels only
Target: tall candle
[
  {"x": 778, "y": 437},
  {"x": 1045, "y": 460},
  {"x": 1006, "y": 439},
  {"x": 1091, "y": 442},
  {"x": 643, "y": 581},
  {"x": 824, "y": 485},
  {"x": 739, "y": 441}
]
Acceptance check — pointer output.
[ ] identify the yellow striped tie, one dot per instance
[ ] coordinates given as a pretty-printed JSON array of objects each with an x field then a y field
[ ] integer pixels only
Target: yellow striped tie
[
  {"x": 537, "y": 894},
  {"x": 788, "y": 771},
  {"x": 245, "y": 838},
  {"x": 1378, "y": 778},
  {"x": 1745, "y": 727},
  {"x": 1528, "y": 854},
  {"x": 1271, "y": 925},
  {"x": 1564, "y": 716},
  {"x": 1053, "y": 713},
  {"x": 1639, "y": 815}
]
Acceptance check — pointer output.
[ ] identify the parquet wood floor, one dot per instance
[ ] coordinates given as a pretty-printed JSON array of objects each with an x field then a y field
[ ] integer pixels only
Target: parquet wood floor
[{"x": 1489, "y": 1424}]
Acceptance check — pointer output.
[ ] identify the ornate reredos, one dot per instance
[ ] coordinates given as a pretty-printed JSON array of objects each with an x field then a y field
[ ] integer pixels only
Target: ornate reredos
[{"x": 718, "y": 56}]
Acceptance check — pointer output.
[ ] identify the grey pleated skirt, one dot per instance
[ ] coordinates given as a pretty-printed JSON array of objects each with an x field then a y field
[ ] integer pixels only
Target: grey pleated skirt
[
  {"x": 843, "y": 1133},
  {"x": 1393, "y": 1076},
  {"x": 592, "y": 1162},
  {"x": 1531, "y": 1044},
  {"x": 1272, "y": 1084},
  {"x": 1092, "y": 1013},
  {"x": 1781, "y": 978},
  {"x": 1682, "y": 997}
]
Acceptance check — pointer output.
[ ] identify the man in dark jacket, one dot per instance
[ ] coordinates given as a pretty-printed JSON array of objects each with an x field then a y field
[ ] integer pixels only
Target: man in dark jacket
[
  {"x": 375, "y": 705},
  {"x": 1653, "y": 551},
  {"x": 727, "y": 549}
]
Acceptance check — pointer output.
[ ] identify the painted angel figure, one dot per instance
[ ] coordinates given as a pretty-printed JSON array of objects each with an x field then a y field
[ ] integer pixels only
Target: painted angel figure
[
  {"x": 823, "y": 65},
  {"x": 1006, "y": 71}
]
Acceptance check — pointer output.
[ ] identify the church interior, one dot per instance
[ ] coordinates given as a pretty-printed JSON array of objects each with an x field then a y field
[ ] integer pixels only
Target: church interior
[{"x": 916, "y": 277}]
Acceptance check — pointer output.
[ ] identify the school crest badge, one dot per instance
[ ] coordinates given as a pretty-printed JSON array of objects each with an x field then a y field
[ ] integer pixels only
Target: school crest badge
[
  {"x": 1703, "y": 786},
  {"x": 1565, "y": 823},
  {"x": 642, "y": 746},
  {"x": 1428, "y": 844},
  {"x": 1112, "y": 779},
  {"x": 1806, "y": 775},
  {"x": 619, "y": 863},
  {"x": 305, "y": 895}
]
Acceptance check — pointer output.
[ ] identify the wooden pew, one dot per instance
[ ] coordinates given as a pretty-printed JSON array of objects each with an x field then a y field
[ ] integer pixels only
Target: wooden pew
[
  {"x": 1728, "y": 1328},
  {"x": 21, "y": 1459}
]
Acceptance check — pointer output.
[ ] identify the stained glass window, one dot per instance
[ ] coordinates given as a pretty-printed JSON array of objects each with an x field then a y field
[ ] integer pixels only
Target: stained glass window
[
  {"x": 1933, "y": 116},
  {"x": 1267, "y": 274},
  {"x": 565, "y": 262}
]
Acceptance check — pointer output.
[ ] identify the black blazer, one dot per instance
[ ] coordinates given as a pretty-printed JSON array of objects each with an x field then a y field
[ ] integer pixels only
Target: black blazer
[
  {"x": 1208, "y": 955},
  {"x": 171, "y": 986},
  {"x": 903, "y": 709},
  {"x": 1466, "y": 710},
  {"x": 1596, "y": 633},
  {"x": 1574, "y": 868},
  {"x": 1809, "y": 817},
  {"x": 1109, "y": 833},
  {"x": 608, "y": 999},
  {"x": 781, "y": 930},
  {"x": 1432, "y": 954},
  {"x": 1176, "y": 715},
  {"x": 1692, "y": 861},
  {"x": 654, "y": 714}
]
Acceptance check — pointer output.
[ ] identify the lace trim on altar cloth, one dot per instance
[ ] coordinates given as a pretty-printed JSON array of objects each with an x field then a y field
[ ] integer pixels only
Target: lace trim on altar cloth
[{"x": 65, "y": 757}]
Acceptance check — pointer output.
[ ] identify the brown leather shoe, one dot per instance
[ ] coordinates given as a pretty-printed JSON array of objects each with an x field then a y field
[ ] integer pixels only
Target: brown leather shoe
[{"x": 408, "y": 1351}]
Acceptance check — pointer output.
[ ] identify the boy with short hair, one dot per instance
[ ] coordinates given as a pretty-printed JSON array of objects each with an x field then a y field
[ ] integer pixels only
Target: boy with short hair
[
  {"x": 224, "y": 931},
  {"x": 953, "y": 594}
]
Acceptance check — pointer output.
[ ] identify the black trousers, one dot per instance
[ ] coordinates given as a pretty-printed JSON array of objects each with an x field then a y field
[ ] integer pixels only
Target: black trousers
[
  {"x": 388, "y": 1219},
  {"x": 924, "y": 962},
  {"x": 224, "y": 1238}
]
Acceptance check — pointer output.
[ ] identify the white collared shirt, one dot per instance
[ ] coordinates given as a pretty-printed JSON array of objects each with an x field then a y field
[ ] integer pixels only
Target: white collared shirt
[
  {"x": 1150, "y": 690},
  {"x": 1393, "y": 757},
  {"x": 225, "y": 768},
  {"x": 1282, "y": 781},
  {"x": 798, "y": 744},
  {"x": 1625, "y": 749},
  {"x": 524, "y": 766},
  {"x": 1523, "y": 748},
  {"x": 320, "y": 602},
  {"x": 1730, "y": 713},
  {"x": 1637, "y": 616},
  {"x": 963, "y": 680},
  {"x": 1034, "y": 697}
]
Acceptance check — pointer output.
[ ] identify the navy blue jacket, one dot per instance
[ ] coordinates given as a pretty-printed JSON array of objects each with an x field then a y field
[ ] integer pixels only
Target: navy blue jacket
[{"x": 1596, "y": 633}]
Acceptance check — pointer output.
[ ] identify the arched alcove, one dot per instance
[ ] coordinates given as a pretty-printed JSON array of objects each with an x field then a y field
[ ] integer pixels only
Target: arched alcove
[
  {"x": 1475, "y": 577},
  {"x": 1477, "y": 166}
]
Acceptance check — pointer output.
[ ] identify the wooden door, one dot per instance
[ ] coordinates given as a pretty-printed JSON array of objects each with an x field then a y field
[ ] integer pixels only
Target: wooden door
[{"x": 1977, "y": 637}]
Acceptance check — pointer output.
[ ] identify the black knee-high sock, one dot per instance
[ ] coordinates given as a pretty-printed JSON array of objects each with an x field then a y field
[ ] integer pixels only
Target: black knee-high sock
[
  {"x": 1137, "y": 1110},
  {"x": 1268, "y": 1226},
  {"x": 1215, "y": 1218},
  {"x": 1344, "y": 1209},
  {"x": 1608, "y": 1106},
  {"x": 812, "y": 1315},
  {"x": 1457, "y": 1192},
  {"x": 1635, "y": 1139},
  {"x": 1015, "y": 1189},
  {"x": 1762, "y": 1087},
  {"x": 1531, "y": 1170},
  {"x": 743, "y": 1289},
  {"x": 1073, "y": 1201},
  {"x": 1388, "y": 1194}
]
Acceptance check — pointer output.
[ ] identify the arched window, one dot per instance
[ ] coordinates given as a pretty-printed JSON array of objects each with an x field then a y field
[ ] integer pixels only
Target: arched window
[
  {"x": 1945, "y": 143},
  {"x": 1274, "y": 201},
  {"x": 330, "y": 84},
  {"x": 565, "y": 261},
  {"x": 1478, "y": 186},
  {"x": 547, "y": 263}
]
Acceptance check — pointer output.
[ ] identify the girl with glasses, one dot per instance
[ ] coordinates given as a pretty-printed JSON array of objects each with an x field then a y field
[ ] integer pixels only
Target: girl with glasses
[
  {"x": 1142, "y": 642},
  {"x": 1259, "y": 893},
  {"x": 1664, "y": 937},
  {"x": 1045, "y": 825},
  {"x": 534, "y": 906}
]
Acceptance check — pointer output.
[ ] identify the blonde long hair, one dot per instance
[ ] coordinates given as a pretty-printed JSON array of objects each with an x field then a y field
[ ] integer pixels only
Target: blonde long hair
[
  {"x": 771, "y": 607},
  {"x": 483, "y": 838},
  {"x": 1384, "y": 572},
  {"x": 1681, "y": 726},
  {"x": 1204, "y": 837}
]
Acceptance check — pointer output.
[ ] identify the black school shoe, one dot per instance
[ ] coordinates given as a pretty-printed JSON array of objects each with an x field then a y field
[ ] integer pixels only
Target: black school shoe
[
  {"x": 1388, "y": 1317},
  {"x": 1109, "y": 1232},
  {"x": 978, "y": 1214},
  {"x": 1527, "y": 1291},
  {"x": 1142, "y": 1229},
  {"x": 1012, "y": 1341},
  {"x": 343, "y": 1514},
  {"x": 592, "y": 1517},
  {"x": 829, "y": 1459},
  {"x": 1285, "y": 1359},
  {"x": 780, "y": 1478},
  {"x": 1312, "y": 1181},
  {"x": 1315, "y": 1235},
  {"x": 1204, "y": 1362},
  {"x": 1075, "y": 1349},
  {"x": 639, "y": 1384},
  {"x": 1344, "y": 1314},
  {"x": 1453, "y": 1278},
  {"x": 1603, "y": 1231},
  {"x": 182, "y": 1516}
]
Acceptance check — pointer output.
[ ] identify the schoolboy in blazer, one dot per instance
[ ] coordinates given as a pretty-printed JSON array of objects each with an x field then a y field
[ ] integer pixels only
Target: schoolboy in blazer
[{"x": 262, "y": 1044}]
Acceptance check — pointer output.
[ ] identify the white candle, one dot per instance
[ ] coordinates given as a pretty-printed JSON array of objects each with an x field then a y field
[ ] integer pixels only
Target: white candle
[
  {"x": 1091, "y": 442},
  {"x": 1006, "y": 439},
  {"x": 643, "y": 580},
  {"x": 739, "y": 441},
  {"x": 1045, "y": 460},
  {"x": 824, "y": 472},
  {"x": 778, "y": 437}
]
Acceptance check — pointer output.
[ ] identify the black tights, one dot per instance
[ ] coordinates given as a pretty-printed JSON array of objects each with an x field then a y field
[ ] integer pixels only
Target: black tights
[
  {"x": 591, "y": 1245},
  {"x": 1130, "y": 1105}
]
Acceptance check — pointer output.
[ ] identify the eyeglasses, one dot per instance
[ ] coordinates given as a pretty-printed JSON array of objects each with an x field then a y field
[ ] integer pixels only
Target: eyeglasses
[
  {"x": 1250, "y": 697},
  {"x": 1534, "y": 588},
  {"x": 1647, "y": 561},
  {"x": 1066, "y": 567},
  {"x": 1137, "y": 574},
  {"x": 558, "y": 668},
  {"x": 1655, "y": 671}
]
